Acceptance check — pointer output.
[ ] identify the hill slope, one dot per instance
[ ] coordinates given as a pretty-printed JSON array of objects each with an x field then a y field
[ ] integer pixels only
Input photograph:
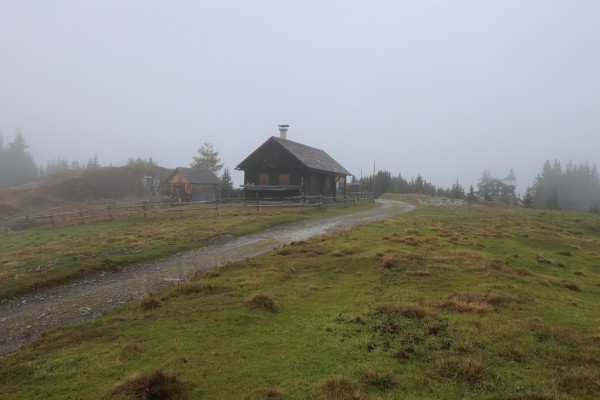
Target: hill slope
[{"x": 76, "y": 187}]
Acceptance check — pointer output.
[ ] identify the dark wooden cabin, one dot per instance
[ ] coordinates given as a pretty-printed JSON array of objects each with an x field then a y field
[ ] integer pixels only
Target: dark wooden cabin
[
  {"x": 193, "y": 184},
  {"x": 498, "y": 190},
  {"x": 283, "y": 168}
]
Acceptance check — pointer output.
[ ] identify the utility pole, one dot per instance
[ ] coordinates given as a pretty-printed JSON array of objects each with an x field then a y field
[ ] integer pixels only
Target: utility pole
[{"x": 373, "y": 179}]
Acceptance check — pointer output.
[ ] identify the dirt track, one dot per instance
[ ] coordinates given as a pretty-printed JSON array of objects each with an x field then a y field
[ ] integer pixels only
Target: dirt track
[{"x": 24, "y": 319}]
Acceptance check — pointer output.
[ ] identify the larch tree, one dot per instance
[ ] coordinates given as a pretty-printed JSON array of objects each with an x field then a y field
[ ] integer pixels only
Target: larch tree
[{"x": 208, "y": 158}]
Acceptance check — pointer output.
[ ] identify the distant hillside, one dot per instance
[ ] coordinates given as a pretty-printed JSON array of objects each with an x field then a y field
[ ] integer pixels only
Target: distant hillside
[{"x": 106, "y": 183}]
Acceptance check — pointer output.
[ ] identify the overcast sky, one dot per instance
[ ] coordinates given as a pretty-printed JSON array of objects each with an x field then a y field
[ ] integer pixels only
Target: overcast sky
[{"x": 443, "y": 88}]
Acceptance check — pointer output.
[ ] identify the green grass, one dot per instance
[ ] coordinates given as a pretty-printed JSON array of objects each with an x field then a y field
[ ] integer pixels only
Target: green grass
[
  {"x": 441, "y": 303},
  {"x": 45, "y": 256}
]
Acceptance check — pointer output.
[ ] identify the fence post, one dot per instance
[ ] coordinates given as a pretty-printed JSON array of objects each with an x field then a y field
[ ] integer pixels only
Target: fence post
[
  {"x": 52, "y": 220},
  {"x": 145, "y": 207},
  {"x": 257, "y": 205},
  {"x": 109, "y": 209},
  {"x": 81, "y": 215}
]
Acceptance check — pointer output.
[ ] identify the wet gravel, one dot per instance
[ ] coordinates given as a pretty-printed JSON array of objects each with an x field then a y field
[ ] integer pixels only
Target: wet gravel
[{"x": 25, "y": 318}]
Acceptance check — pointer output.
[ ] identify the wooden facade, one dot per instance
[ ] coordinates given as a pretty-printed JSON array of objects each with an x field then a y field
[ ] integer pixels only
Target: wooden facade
[
  {"x": 498, "y": 190},
  {"x": 283, "y": 168},
  {"x": 193, "y": 184}
]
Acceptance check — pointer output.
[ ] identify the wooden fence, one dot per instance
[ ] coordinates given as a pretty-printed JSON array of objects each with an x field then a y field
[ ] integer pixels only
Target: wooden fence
[
  {"x": 109, "y": 211},
  {"x": 101, "y": 212}
]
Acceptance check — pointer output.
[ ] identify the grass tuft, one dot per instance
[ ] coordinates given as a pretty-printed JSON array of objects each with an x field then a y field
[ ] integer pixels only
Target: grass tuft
[
  {"x": 476, "y": 303},
  {"x": 156, "y": 386},
  {"x": 149, "y": 303},
  {"x": 262, "y": 301},
  {"x": 571, "y": 286},
  {"x": 466, "y": 369},
  {"x": 582, "y": 380},
  {"x": 379, "y": 380},
  {"x": 340, "y": 388}
]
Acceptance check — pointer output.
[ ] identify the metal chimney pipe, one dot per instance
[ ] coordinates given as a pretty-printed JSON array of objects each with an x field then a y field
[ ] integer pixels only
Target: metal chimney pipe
[{"x": 283, "y": 131}]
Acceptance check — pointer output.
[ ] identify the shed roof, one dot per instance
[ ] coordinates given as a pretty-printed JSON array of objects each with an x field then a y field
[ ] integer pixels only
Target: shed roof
[
  {"x": 310, "y": 157},
  {"x": 198, "y": 175}
]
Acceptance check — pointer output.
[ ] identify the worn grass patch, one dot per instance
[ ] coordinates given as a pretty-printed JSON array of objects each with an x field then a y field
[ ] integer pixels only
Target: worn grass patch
[{"x": 488, "y": 321}]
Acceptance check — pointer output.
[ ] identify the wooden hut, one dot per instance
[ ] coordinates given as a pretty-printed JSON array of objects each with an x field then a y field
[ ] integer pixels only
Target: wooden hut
[
  {"x": 283, "y": 168},
  {"x": 193, "y": 184}
]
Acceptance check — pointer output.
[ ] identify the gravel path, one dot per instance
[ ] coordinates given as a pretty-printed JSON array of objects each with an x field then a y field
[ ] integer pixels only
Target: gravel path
[{"x": 24, "y": 319}]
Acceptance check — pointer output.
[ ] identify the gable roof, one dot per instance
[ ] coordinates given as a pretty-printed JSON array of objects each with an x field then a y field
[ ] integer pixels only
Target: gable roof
[
  {"x": 310, "y": 157},
  {"x": 198, "y": 175},
  {"x": 505, "y": 182}
]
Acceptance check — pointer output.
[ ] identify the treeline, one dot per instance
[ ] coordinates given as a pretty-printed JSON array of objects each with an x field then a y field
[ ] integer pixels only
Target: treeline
[
  {"x": 384, "y": 182},
  {"x": 17, "y": 165},
  {"x": 574, "y": 188}
]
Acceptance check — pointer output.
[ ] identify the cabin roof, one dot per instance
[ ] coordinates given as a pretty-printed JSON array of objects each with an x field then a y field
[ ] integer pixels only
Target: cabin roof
[
  {"x": 505, "y": 182},
  {"x": 310, "y": 157},
  {"x": 197, "y": 175}
]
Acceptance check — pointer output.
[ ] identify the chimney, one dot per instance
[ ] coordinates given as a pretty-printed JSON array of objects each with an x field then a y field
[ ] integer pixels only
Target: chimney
[{"x": 283, "y": 131}]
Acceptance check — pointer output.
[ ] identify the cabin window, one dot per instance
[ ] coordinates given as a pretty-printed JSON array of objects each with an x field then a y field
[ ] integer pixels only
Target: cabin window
[
  {"x": 284, "y": 179},
  {"x": 263, "y": 178}
]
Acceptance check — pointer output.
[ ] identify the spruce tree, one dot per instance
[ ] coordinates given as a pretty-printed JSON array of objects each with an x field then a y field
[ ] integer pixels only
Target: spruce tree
[{"x": 226, "y": 184}]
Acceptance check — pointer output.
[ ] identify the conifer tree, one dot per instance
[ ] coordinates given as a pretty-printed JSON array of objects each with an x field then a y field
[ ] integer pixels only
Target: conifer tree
[
  {"x": 226, "y": 184},
  {"x": 16, "y": 163},
  {"x": 207, "y": 158}
]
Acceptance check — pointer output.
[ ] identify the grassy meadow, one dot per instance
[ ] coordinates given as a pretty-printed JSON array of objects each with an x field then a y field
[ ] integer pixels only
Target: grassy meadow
[
  {"x": 44, "y": 256},
  {"x": 473, "y": 302}
]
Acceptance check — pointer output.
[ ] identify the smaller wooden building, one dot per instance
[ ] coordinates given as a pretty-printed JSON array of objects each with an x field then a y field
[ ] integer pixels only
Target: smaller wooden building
[
  {"x": 283, "y": 168},
  {"x": 193, "y": 184}
]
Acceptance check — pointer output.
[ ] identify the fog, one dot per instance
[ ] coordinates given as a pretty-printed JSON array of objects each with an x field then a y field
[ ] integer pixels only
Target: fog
[{"x": 444, "y": 89}]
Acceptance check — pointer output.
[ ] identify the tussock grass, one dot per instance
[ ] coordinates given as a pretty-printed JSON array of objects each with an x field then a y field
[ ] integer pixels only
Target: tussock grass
[
  {"x": 380, "y": 380},
  {"x": 340, "y": 388},
  {"x": 262, "y": 301},
  {"x": 155, "y": 386},
  {"x": 464, "y": 369},
  {"x": 473, "y": 302},
  {"x": 149, "y": 303}
]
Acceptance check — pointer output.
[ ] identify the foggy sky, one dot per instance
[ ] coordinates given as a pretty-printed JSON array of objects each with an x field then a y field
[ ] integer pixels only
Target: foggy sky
[{"x": 443, "y": 88}]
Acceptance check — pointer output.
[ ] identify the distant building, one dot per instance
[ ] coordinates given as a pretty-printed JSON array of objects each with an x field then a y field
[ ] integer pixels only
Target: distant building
[
  {"x": 193, "y": 184},
  {"x": 498, "y": 190},
  {"x": 283, "y": 168}
]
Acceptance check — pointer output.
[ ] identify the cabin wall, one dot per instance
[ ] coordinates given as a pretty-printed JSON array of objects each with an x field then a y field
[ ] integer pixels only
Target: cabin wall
[{"x": 278, "y": 176}]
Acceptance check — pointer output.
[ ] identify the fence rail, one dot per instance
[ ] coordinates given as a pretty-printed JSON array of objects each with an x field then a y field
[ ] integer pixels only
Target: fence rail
[{"x": 109, "y": 211}]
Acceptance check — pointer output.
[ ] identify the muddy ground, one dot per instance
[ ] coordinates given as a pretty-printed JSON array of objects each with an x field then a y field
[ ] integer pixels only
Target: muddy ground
[{"x": 25, "y": 318}]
